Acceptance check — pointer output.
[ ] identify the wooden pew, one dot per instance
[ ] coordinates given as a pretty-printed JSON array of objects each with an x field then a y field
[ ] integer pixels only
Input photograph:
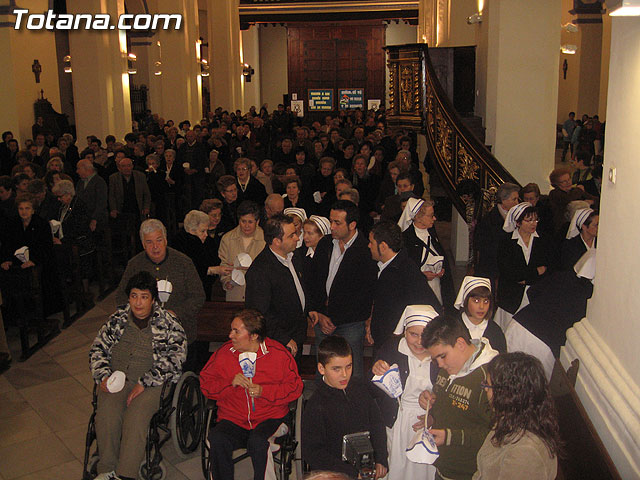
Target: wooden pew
[
  {"x": 214, "y": 323},
  {"x": 585, "y": 456}
]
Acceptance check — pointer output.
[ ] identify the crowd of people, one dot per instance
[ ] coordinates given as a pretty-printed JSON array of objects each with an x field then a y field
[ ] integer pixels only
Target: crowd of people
[{"x": 326, "y": 224}]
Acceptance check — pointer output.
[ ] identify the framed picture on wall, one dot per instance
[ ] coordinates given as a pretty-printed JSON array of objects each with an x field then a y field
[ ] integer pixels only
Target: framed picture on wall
[
  {"x": 350, "y": 98},
  {"x": 320, "y": 99}
]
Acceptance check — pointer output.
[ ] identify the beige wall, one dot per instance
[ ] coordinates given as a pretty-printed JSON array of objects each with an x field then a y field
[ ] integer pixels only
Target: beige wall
[
  {"x": 604, "y": 66},
  {"x": 18, "y": 88},
  {"x": 606, "y": 341},
  {"x": 460, "y": 33},
  {"x": 273, "y": 65},
  {"x": 522, "y": 86}
]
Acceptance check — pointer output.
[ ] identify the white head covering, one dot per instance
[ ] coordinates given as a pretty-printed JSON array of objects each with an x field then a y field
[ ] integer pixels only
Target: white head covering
[
  {"x": 579, "y": 217},
  {"x": 408, "y": 214},
  {"x": 323, "y": 224},
  {"x": 468, "y": 284},
  {"x": 298, "y": 212},
  {"x": 415, "y": 315},
  {"x": 512, "y": 216}
]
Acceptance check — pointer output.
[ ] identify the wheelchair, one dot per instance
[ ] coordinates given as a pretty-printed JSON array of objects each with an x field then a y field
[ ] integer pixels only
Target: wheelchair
[
  {"x": 180, "y": 419},
  {"x": 284, "y": 443}
]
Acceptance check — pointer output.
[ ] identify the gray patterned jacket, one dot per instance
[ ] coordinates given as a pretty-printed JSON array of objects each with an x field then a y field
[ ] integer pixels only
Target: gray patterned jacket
[{"x": 169, "y": 347}]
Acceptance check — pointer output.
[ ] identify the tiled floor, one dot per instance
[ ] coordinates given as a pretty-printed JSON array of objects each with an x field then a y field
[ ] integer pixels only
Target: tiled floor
[{"x": 45, "y": 404}]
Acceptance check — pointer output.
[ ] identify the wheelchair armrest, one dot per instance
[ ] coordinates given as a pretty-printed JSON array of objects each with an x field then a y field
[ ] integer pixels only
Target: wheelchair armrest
[{"x": 293, "y": 406}]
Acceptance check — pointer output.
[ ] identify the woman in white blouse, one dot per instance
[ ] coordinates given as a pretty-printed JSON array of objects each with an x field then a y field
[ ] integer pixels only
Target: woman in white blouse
[{"x": 522, "y": 257}]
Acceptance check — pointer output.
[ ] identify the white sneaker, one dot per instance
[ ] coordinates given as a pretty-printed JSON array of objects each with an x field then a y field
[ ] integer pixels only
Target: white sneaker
[{"x": 107, "y": 476}]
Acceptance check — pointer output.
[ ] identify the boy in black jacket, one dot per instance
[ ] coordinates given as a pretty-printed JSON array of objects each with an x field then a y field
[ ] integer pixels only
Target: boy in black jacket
[{"x": 340, "y": 406}]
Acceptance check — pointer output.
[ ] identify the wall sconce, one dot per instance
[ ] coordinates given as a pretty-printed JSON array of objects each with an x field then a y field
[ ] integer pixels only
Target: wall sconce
[
  {"x": 131, "y": 59},
  {"x": 570, "y": 28},
  {"x": 158, "y": 68},
  {"x": 247, "y": 71},
  {"x": 569, "y": 49},
  {"x": 475, "y": 18},
  {"x": 67, "y": 64},
  {"x": 623, "y": 8},
  {"x": 204, "y": 68}
]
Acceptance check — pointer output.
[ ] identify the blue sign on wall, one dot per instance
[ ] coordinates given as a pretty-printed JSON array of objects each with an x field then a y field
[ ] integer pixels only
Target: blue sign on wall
[
  {"x": 320, "y": 99},
  {"x": 351, "y": 98}
]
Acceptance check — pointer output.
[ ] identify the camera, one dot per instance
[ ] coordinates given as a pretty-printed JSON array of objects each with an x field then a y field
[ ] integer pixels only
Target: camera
[{"x": 358, "y": 451}]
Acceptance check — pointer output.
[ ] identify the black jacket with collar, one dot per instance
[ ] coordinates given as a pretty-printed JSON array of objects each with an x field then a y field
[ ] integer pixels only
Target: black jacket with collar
[
  {"x": 514, "y": 269},
  {"x": 332, "y": 413},
  {"x": 414, "y": 247},
  {"x": 400, "y": 284},
  {"x": 351, "y": 295},
  {"x": 272, "y": 291}
]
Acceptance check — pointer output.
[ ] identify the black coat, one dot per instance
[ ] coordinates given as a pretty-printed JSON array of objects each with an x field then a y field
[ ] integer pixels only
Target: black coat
[
  {"x": 351, "y": 295},
  {"x": 202, "y": 257},
  {"x": 572, "y": 250},
  {"x": 488, "y": 235},
  {"x": 400, "y": 284},
  {"x": 255, "y": 191},
  {"x": 514, "y": 269},
  {"x": 330, "y": 414},
  {"x": 493, "y": 333},
  {"x": 414, "y": 247},
  {"x": 390, "y": 354},
  {"x": 37, "y": 236},
  {"x": 272, "y": 291}
]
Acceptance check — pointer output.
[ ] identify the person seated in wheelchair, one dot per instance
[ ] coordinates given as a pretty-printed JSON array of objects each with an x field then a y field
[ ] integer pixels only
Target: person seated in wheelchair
[
  {"x": 251, "y": 405},
  {"x": 340, "y": 406},
  {"x": 147, "y": 344}
]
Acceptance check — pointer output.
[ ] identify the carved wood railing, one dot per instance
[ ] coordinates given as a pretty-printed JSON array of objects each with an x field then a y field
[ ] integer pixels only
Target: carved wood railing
[{"x": 417, "y": 100}]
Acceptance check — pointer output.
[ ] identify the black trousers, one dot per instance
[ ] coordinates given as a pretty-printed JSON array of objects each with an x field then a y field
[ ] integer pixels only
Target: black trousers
[{"x": 226, "y": 437}]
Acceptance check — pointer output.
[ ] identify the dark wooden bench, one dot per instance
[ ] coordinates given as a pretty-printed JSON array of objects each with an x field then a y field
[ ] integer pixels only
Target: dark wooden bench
[
  {"x": 585, "y": 456},
  {"x": 214, "y": 323}
]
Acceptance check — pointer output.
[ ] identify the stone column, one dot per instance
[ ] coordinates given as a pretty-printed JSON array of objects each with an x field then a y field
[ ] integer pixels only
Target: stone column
[
  {"x": 224, "y": 54},
  {"x": 521, "y": 97},
  {"x": 101, "y": 92}
]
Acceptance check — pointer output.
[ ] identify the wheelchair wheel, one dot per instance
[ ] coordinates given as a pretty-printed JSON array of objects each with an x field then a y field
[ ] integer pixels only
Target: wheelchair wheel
[
  {"x": 205, "y": 452},
  {"x": 187, "y": 420},
  {"x": 297, "y": 455},
  {"x": 159, "y": 472},
  {"x": 92, "y": 467}
]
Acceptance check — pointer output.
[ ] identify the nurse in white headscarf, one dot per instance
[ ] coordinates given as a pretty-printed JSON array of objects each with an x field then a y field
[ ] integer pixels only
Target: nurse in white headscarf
[
  {"x": 522, "y": 258},
  {"x": 423, "y": 247},
  {"x": 416, "y": 374},
  {"x": 299, "y": 216},
  {"x": 581, "y": 237}
]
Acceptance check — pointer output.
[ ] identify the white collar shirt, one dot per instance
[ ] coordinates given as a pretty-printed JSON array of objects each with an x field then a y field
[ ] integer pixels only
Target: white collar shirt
[
  {"x": 336, "y": 260},
  {"x": 289, "y": 264},
  {"x": 383, "y": 265},
  {"x": 526, "y": 249}
]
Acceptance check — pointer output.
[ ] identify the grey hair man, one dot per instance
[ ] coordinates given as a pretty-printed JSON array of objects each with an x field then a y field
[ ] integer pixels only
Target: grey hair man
[{"x": 165, "y": 263}]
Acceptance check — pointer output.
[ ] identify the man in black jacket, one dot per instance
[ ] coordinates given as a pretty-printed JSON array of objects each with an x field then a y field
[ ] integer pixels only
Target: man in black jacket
[
  {"x": 400, "y": 282},
  {"x": 274, "y": 287},
  {"x": 344, "y": 278}
]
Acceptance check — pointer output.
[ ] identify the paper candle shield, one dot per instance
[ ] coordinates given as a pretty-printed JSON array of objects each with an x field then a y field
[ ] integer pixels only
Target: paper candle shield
[
  {"x": 115, "y": 382},
  {"x": 422, "y": 448},
  {"x": 55, "y": 226},
  {"x": 248, "y": 363},
  {"x": 240, "y": 264},
  {"x": 164, "y": 290},
  {"x": 22, "y": 254},
  {"x": 390, "y": 382}
]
